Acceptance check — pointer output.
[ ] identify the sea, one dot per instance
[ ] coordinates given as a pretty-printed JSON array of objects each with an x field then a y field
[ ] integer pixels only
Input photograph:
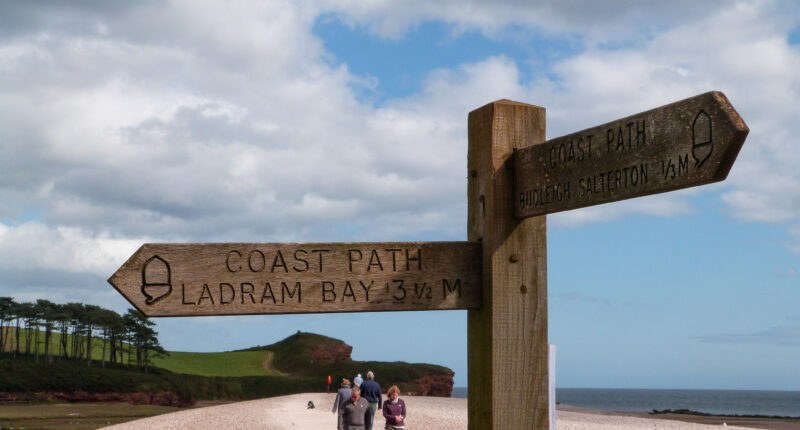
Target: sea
[{"x": 717, "y": 402}]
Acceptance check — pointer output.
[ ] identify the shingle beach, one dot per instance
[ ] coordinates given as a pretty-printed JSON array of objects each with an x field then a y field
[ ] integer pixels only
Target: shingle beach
[{"x": 424, "y": 413}]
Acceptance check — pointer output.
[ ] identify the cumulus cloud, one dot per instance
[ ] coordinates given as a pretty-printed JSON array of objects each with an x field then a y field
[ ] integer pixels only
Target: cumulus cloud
[
  {"x": 198, "y": 133},
  {"x": 229, "y": 125},
  {"x": 191, "y": 121},
  {"x": 743, "y": 51},
  {"x": 34, "y": 245},
  {"x": 60, "y": 263},
  {"x": 669, "y": 205},
  {"x": 597, "y": 22}
]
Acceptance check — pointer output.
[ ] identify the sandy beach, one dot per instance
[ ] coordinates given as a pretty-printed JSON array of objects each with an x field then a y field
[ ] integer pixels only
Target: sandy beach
[{"x": 428, "y": 413}]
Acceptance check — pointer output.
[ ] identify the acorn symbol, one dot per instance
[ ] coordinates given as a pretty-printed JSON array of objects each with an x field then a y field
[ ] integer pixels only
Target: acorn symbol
[
  {"x": 702, "y": 145},
  {"x": 156, "y": 279}
]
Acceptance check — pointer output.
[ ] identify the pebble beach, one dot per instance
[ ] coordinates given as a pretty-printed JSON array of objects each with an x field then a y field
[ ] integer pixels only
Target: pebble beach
[{"x": 424, "y": 413}]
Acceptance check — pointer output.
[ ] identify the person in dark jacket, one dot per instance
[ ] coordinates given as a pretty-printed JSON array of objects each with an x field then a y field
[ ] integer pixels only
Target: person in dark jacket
[
  {"x": 354, "y": 413},
  {"x": 394, "y": 409},
  {"x": 342, "y": 395},
  {"x": 371, "y": 390}
]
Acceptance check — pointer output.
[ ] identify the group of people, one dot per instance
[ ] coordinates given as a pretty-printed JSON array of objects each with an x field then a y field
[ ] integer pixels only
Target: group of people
[{"x": 358, "y": 403}]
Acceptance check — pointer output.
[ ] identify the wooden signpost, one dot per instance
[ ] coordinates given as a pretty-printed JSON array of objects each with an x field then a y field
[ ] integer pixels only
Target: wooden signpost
[
  {"x": 499, "y": 275},
  {"x": 684, "y": 144},
  {"x": 274, "y": 278},
  {"x": 507, "y": 336}
]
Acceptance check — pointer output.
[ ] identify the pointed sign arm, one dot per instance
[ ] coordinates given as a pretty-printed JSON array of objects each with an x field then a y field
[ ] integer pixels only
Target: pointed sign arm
[
  {"x": 191, "y": 279},
  {"x": 680, "y": 145}
]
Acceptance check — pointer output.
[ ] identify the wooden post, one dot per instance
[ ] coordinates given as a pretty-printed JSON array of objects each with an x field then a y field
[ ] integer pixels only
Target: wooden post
[{"x": 507, "y": 357}]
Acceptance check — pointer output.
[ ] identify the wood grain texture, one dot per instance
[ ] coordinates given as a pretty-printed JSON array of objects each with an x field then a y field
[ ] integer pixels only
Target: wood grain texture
[
  {"x": 507, "y": 353},
  {"x": 684, "y": 144},
  {"x": 281, "y": 278}
]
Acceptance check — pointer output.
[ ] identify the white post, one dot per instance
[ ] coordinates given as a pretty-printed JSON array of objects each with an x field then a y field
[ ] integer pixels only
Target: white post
[{"x": 551, "y": 378}]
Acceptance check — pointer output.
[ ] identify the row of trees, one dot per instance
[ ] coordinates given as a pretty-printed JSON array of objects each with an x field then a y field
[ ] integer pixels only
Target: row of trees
[{"x": 27, "y": 329}]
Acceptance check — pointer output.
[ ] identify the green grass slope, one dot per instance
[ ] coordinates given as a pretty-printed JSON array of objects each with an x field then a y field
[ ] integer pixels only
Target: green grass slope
[
  {"x": 293, "y": 354},
  {"x": 25, "y": 377},
  {"x": 233, "y": 363}
]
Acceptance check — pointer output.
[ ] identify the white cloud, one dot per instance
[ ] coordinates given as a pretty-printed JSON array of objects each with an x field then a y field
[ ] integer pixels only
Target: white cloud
[
  {"x": 34, "y": 246},
  {"x": 244, "y": 133},
  {"x": 671, "y": 205},
  {"x": 741, "y": 50},
  {"x": 598, "y": 22},
  {"x": 227, "y": 122}
]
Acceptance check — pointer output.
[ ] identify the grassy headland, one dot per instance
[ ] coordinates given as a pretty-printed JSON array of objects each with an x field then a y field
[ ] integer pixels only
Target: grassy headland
[
  {"x": 299, "y": 363},
  {"x": 231, "y": 363}
]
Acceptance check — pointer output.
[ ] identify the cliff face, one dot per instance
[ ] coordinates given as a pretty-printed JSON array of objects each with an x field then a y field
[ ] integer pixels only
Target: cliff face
[
  {"x": 438, "y": 385},
  {"x": 314, "y": 356}
]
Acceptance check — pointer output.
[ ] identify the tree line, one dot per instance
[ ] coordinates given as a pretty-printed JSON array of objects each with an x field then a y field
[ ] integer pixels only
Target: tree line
[{"x": 27, "y": 330}]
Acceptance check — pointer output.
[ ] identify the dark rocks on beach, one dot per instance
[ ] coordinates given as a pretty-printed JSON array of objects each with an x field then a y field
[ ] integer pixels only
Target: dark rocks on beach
[{"x": 705, "y": 414}]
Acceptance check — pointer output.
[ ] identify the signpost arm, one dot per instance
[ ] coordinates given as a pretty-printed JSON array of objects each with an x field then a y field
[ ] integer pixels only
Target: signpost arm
[{"x": 507, "y": 358}]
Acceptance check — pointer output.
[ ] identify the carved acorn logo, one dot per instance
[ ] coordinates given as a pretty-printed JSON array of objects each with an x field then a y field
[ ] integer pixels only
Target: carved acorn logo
[
  {"x": 156, "y": 279},
  {"x": 702, "y": 145}
]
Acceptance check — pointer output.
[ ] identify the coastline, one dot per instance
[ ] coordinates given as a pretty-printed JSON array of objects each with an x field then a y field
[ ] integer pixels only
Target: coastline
[
  {"x": 722, "y": 402},
  {"x": 772, "y": 423},
  {"x": 429, "y": 413}
]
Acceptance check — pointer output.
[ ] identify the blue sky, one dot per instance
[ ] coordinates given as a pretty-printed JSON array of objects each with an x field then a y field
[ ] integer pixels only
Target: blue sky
[
  {"x": 122, "y": 124},
  {"x": 401, "y": 66}
]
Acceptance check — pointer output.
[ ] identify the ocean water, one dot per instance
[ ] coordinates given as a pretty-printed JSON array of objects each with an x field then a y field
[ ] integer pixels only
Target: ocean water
[
  {"x": 459, "y": 392},
  {"x": 720, "y": 402}
]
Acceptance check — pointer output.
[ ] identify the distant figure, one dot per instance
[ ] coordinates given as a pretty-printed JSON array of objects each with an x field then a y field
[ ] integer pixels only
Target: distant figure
[
  {"x": 329, "y": 384},
  {"x": 342, "y": 395},
  {"x": 394, "y": 409},
  {"x": 310, "y": 404},
  {"x": 371, "y": 391},
  {"x": 358, "y": 380},
  {"x": 354, "y": 413}
]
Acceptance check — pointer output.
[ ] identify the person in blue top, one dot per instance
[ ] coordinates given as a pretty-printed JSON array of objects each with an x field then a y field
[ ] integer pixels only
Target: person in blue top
[
  {"x": 371, "y": 390},
  {"x": 358, "y": 380}
]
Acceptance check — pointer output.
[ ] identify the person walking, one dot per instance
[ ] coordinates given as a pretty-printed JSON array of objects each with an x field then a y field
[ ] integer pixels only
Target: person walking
[
  {"x": 358, "y": 380},
  {"x": 353, "y": 414},
  {"x": 371, "y": 391},
  {"x": 394, "y": 409},
  {"x": 342, "y": 395}
]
